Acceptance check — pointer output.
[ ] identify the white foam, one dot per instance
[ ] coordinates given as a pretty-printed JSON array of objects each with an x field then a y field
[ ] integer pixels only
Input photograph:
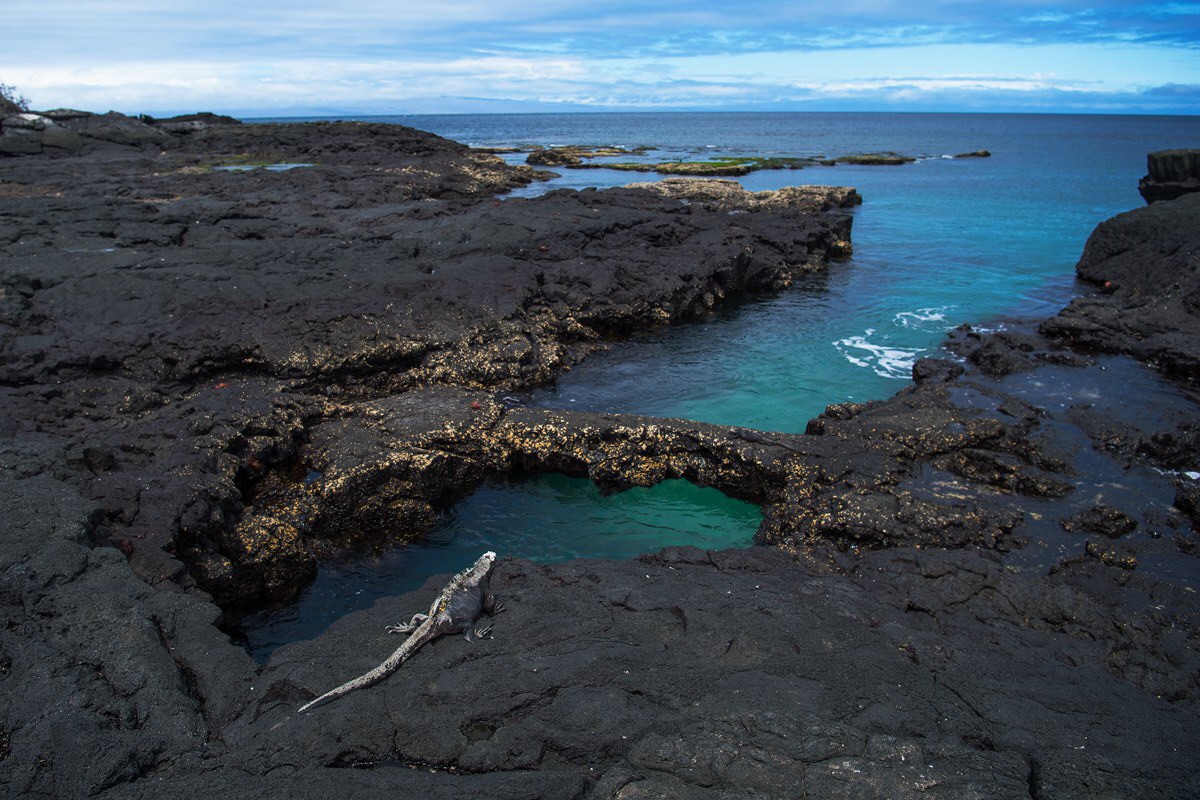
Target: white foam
[
  {"x": 884, "y": 361},
  {"x": 912, "y": 319}
]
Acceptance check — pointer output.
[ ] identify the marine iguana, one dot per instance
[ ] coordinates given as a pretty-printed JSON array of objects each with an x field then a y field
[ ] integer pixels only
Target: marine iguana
[{"x": 455, "y": 609}]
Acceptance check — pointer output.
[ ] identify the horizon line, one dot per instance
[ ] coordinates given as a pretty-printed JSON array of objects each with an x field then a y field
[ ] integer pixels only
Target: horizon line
[{"x": 585, "y": 111}]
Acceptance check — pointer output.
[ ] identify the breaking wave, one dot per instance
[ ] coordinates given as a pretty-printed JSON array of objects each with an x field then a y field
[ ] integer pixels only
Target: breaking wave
[{"x": 884, "y": 360}]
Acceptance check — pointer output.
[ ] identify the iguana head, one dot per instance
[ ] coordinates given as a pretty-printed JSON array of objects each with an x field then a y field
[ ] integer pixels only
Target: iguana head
[
  {"x": 485, "y": 563},
  {"x": 483, "y": 567}
]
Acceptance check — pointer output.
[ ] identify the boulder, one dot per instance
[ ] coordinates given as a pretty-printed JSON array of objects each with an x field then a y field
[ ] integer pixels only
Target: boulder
[
  {"x": 63, "y": 114},
  {"x": 1170, "y": 174},
  {"x": 115, "y": 129},
  {"x": 1145, "y": 265},
  {"x": 34, "y": 134},
  {"x": 26, "y": 120},
  {"x": 16, "y": 141},
  {"x": 65, "y": 131}
]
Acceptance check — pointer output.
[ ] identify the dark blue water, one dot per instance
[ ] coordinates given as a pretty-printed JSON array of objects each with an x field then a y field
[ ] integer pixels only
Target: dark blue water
[{"x": 938, "y": 242}]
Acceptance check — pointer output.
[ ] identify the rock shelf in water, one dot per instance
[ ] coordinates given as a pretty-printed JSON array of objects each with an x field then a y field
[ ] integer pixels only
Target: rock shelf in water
[
  {"x": 180, "y": 343},
  {"x": 581, "y": 158}
]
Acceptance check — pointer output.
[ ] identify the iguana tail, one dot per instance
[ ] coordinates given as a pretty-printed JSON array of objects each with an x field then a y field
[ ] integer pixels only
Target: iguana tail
[{"x": 393, "y": 662}]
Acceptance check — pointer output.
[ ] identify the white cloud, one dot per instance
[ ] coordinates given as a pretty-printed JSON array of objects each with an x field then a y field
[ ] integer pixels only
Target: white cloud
[{"x": 159, "y": 56}]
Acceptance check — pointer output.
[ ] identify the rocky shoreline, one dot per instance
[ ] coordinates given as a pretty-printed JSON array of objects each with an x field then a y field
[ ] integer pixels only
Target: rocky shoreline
[{"x": 216, "y": 379}]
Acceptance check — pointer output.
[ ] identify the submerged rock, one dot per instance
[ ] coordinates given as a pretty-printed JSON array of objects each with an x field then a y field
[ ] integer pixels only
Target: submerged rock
[{"x": 876, "y": 159}]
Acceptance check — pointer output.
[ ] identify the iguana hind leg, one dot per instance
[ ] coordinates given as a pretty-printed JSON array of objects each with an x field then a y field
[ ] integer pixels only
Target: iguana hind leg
[{"x": 412, "y": 625}]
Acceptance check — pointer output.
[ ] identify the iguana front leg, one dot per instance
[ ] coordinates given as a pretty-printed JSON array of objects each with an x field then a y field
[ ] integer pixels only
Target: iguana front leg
[{"x": 492, "y": 607}]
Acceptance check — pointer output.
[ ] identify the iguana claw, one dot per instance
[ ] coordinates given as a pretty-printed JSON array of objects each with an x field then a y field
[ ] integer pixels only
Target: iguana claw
[{"x": 410, "y": 626}]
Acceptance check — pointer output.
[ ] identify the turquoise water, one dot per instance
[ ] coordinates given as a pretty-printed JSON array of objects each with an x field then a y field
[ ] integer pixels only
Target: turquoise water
[
  {"x": 938, "y": 242},
  {"x": 548, "y": 519}
]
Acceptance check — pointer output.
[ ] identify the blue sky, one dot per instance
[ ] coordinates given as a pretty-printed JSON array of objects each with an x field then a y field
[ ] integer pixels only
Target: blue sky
[{"x": 314, "y": 56}]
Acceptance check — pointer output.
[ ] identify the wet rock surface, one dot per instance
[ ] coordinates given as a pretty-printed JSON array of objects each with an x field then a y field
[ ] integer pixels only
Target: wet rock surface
[
  {"x": 213, "y": 380},
  {"x": 1145, "y": 265}
]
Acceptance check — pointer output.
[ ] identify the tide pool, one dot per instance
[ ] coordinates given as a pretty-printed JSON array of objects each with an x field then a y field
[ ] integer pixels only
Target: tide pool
[{"x": 548, "y": 519}]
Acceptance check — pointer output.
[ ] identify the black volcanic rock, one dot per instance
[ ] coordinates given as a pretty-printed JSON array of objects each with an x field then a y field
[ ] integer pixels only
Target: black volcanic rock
[
  {"x": 1170, "y": 174},
  {"x": 554, "y": 157},
  {"x": 24, "y": 134},
  {"x": 206, "y": 117},
  {"x": 68, "y": 132},
  {"x": 935, "y": 369},
  {"x": 1102, "y": 519},
  {"x": 213, "y": 380},
  {"x": 1145, "y": 265},
  {"x": 242, "y": 304}
]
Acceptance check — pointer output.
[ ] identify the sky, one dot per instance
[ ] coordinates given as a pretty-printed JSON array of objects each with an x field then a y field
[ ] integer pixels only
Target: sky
[{"x": 308, "y": 57}]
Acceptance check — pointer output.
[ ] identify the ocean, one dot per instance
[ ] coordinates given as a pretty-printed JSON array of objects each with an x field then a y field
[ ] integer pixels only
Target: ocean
[{"x": 937, "y": 243}]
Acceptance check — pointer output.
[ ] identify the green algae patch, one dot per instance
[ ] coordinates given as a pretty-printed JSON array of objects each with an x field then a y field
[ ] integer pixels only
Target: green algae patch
[
  {"x": 574, "y": 155},
  {"x": 246, "y": 162}
]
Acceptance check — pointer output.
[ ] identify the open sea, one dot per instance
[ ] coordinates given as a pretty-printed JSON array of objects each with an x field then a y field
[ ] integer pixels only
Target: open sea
[{"x": 937, "y": 242}]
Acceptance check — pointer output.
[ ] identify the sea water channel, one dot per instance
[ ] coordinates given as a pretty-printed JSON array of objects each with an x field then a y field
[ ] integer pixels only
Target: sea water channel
[{"x": 937, "y": 243}]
